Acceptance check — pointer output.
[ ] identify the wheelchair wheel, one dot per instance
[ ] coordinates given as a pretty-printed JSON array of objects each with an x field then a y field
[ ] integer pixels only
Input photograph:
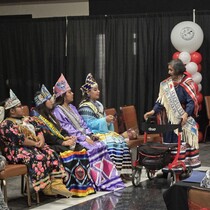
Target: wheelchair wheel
[
  {"x": 151, "y": 174},
  {"x": 136, "y": 176},
  {"x": 171, "y": 178}
]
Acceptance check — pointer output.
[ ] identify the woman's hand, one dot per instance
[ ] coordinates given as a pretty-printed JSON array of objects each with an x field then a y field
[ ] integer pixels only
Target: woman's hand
[
  {"x": 110, "y": 118},
  {"x": 70, "y": 141},
  {"x": 94, "y": 138},
  {"x": 40, "y": 143},
  {"x": 149, "y": 114},
  {"x": 89, "y": 140},
  {"x": 184, "y": 118},
  {"x": 71, "y": 138}
]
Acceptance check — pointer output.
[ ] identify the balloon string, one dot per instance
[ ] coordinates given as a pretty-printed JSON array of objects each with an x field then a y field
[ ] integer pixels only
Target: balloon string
[{"x": 194, "y": 15}]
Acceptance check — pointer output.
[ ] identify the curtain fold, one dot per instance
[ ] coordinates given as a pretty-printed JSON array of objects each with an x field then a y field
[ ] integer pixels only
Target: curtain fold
[
  {"x": 82, "y": 51},
  {"x": 15, "y": 39},
  {"x": 48, "y": 55},
  {"x": 32, "y": 53},
  {"x": 137, "y": 51}
]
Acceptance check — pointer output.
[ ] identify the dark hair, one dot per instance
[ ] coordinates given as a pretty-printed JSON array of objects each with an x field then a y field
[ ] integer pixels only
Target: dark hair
[
  {"x": 2, "y": 103},
  {"x": 85, "y": 98},
  {"x": 60, "y": 100},
  {"x": 45, "y": 112},
  {"x": 7, "y": 113},
  {"x": 178, "y": 66}
]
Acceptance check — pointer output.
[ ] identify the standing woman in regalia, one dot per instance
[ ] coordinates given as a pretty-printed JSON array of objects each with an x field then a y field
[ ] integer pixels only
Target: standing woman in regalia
[{"x": 177, "y": 103}]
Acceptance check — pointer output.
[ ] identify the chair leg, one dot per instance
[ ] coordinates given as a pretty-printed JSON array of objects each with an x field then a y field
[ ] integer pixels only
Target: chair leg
[
  {"x": 37, "y": 197},
  {"x": 23, "y": 190},
  {"x": 205, "y": 133},
  {"x": 4, "y": 185},
  {"x": 28, "y": 189}
]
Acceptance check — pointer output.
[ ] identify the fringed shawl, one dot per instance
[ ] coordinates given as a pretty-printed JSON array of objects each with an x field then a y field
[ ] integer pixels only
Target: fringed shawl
[{"x": 169, "y": 99}]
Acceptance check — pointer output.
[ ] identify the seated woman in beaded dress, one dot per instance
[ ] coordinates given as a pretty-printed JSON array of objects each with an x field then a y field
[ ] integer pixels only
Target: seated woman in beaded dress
[
  {"x": 101, "y": 125},
  {"x": 102, "y": 170},
  {"x": 74, "y": 156}
]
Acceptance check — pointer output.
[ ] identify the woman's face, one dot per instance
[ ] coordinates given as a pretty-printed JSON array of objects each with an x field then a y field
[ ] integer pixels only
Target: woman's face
[
  {"x": 171, "y": 72},
  {"x": 94, "y": 93},
  {"x": 69, "y": 96},
  {"x": 17, "y": 111},
  {"x": 49, "y": 104}
]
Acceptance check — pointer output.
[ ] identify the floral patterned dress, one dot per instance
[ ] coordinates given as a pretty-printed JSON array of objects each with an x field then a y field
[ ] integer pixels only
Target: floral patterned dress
[{"x": 43, "y": 163}]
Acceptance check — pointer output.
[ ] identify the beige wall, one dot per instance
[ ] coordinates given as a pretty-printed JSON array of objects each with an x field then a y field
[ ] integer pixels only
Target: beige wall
[{"x": 74, "y": 8}]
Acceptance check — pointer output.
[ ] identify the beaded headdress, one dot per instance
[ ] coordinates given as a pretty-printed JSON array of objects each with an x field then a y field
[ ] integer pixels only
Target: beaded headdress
[
  {"x": 89, "y": 83},
  {"x": 43, "y": 96},
  {"x": 61, "y": 86},
  {"x": 11, "y": 101}
]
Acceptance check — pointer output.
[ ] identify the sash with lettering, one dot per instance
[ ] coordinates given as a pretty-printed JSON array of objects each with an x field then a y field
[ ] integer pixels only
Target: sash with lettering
[{"x": 169, "y": 99}]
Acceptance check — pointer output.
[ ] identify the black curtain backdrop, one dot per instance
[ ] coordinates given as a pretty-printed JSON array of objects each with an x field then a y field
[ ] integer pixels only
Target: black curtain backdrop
[
  {"x": 134, "y": 79},
  {"x": 48, "y": 62},
  {"x": 81, "y": 51},
  {"x": 15, "y": 40},
  {"x": 32, "y": 53},
  {"x": 133, "y": 73},
  {"x": 137, "y": 50}
]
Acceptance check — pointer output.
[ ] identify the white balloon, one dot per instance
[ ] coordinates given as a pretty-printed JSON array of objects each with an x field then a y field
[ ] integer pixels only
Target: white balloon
[
  {"x": 185, "y": 57},
  {"x": 187, "y": 36},
  {"x": 199, "y": 87},
  {"x": 191, "y": 67},
  {"x": 197, "y": 77}
]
